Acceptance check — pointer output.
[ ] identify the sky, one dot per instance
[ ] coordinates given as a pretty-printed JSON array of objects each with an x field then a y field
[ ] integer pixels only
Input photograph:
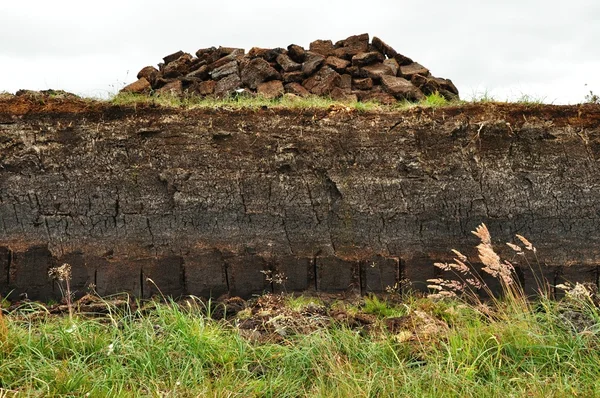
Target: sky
[{"x": 542, "y": 50}]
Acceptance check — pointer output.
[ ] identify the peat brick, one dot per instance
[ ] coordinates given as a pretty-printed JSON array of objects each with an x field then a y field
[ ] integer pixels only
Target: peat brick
[
  {"x": 225, "y": 70},
  {"x": 338, "y": 64},
  {"x": 364, "y": 59},
  {"x": 401, "y": 88},
  {"x": 140, "y": 86},
  {"x": 293, "y": 77},
  {"x": 174, "y": 88},
  {"x": 245, "y": 277},
  {"x": 362, "y": 84},
  {"x": 296, "y": 53},
  {"x": 257, "y": 71},
  {"x": 323, "y": 47},
  {"x": 287, "y": 64},
  {"x": 172, "y": 57},
  {"x": 296, "y": 89},
  {"x": 384, "y": 48},
  {"x": 149, "y": 73},
  {"x": 408, "y": 71},
  {"x": 271, "y": 89},
  {"x": 376, "y": 71},
  {"x": 322, "y": 82},
  {"x": 227, "y": 85},
  {"x": 379, "y": 273},
  {"x": 312, "y": 63}
]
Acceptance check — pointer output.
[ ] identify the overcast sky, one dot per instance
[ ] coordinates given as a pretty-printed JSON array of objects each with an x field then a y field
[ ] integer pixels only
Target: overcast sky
[{"x": 545, "y": 49}]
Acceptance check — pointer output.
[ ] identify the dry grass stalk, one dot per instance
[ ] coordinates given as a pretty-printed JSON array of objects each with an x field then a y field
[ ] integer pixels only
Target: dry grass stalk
[
  {"x": 544, "y": 287},
  {"x": 63, "y": 274},
  {"x": 578, "y": 292},
  {"x": 470, "y": 281},
  {"x": 277, "y": 278},
  {"x": 3, "y": 328},
  {"x": 502, "y": 270},
  {"x": 452, "y": 288}
]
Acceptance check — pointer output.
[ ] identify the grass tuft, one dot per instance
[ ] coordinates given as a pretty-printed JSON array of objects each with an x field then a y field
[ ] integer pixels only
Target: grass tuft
[
  {"x": 381, "y": 308},
  {"x": 434, "y": 100},
  {"x": 531, "y": 100}
]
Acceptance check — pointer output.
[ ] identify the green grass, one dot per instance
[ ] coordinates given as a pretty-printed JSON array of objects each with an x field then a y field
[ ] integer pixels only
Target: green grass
[
  {"x": 298, "y": 303},
  {"x": 258, "y": 102},
  {"x": 531, "y": 100},
  {"x": 174, "y": 350},
  {"x": 484, "y": 96},
  {"x": 434, "y": 100},
  {"x": 241, "y": 102},
  {"x": 375, "y": 306}
]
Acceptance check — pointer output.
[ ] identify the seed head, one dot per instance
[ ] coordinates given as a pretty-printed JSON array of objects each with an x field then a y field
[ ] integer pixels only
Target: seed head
[
  {"x": 61, "y": 273},
  {"x": 516, "y": 248},
  {"x": 483, "y": 234},
  {"x": 528, "y": 244}
]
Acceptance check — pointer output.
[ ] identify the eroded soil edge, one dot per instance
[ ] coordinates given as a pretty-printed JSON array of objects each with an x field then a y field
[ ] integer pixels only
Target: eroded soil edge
[{"x": 202, "y": 201}]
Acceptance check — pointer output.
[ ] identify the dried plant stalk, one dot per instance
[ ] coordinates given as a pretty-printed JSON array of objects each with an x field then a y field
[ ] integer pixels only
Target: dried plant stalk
[{"x": 63, "y": 274}]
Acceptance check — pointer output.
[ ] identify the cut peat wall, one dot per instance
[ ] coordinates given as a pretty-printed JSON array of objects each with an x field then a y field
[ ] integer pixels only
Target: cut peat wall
[{"x": 202, "y": 201}]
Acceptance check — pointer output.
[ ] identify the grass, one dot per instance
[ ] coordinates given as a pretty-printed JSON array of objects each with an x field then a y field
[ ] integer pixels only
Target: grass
[
  {"x": 258, "y": 102},
  {"x": 434, "y": 100},
  {"x": 240, "y": 102},
  {"x": 175, "y": 350},
  {"x": 479, "y": 97},
  {"x": 375, "y": 306},
  {"x": 298, "y": 303},
  {"x": 483, "y": 97},
  {"x": 531, "y": 100}
]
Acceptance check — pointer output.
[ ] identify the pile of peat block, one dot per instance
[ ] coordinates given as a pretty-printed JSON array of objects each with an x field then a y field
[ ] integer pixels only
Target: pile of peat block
[{"x": 353, "y": 69}]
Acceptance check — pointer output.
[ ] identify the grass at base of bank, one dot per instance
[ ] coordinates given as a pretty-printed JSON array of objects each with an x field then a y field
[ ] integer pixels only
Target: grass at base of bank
[{"x": 411, "y": 347}]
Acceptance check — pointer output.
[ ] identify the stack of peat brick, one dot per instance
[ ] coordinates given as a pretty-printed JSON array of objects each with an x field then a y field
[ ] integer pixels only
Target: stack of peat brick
[{"x": 349, "y": 70}]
